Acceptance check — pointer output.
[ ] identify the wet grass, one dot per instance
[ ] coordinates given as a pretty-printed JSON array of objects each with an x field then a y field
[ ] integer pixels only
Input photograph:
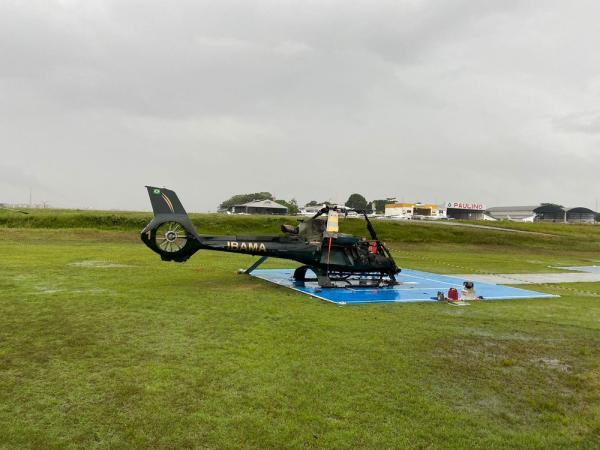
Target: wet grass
[
  {"x": 102, "y": 345},
  {"x": 487, "y": 259}
]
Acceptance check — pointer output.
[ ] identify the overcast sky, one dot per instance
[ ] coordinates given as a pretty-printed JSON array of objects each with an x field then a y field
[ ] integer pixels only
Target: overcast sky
[{"x": 481, "y": 101}]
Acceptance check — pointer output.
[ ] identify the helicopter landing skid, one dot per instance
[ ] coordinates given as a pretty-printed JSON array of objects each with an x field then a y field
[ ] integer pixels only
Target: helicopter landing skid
[
  {"x": 254, "y": 266},
  {"x": 360, "y": 280},
  {"x": 335, "y": 279}
]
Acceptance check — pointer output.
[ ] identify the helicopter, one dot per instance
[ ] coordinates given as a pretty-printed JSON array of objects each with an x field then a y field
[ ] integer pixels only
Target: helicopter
[{"x": 336, "y": 259}]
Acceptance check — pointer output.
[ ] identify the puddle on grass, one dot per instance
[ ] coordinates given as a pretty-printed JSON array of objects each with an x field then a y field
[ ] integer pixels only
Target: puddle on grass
[
  {"x": 23, "y": 277},
  {"x": 90, "y": 291},
  {"x": 36, "y": 286},
  {"x": 98, "y": 264},
  {"x": 586, "y": 269},
  {"x": 46, "y": 290}
]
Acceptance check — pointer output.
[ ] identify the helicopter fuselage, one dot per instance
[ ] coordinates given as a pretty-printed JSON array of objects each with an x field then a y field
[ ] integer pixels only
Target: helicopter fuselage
[
  {"x": 344, "y": 254},
  {"x": 173, "y": 236}
]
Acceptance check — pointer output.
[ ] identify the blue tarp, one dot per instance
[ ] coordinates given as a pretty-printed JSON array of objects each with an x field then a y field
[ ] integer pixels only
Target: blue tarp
[{"x": 415, "y": 286}]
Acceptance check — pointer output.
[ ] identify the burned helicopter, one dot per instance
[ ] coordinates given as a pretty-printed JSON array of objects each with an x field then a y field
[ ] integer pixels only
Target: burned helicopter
[{"x": 335, "y": 258}]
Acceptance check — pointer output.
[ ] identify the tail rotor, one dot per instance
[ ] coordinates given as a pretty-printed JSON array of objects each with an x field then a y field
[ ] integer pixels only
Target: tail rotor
[
  {"x": 171, "y": 233},
  {"x": 170, "y": 237}
]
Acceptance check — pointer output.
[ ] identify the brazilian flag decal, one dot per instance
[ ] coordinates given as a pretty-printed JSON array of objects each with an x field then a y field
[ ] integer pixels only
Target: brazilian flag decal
[{"x": 156, "y": 191}]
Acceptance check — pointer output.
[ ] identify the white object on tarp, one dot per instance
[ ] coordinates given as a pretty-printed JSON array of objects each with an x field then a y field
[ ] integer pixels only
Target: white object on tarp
[{"x": 468, "y": 291}]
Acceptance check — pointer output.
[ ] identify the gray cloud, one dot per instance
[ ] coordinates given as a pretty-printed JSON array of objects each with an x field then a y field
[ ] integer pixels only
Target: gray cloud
[
  {"x": 485, "y": 101},
  {"x": 581, "y": 122}
]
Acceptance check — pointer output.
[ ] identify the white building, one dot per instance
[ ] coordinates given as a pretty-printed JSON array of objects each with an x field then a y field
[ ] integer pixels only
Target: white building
[{"x": 406, "y": 211}]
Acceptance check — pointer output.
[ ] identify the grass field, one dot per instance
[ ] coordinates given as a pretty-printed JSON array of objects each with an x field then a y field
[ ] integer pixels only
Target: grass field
[{"x": 104, "y": 346}]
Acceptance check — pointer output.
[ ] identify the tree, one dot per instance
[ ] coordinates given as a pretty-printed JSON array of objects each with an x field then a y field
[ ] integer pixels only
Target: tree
[
  {"x": 292, "y": 206},
  {"x": 357, "y": 201},
  {"x": 240, "y": 199},
  {"x": 315, "y": 203}
]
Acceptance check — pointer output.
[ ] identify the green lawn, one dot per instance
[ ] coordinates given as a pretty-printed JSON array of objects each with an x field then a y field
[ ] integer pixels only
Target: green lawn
[{"x": 103, "y": 345}]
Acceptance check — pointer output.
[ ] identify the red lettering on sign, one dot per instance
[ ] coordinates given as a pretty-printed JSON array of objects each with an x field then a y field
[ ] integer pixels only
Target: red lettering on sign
[{"x": 472, "y": 206}]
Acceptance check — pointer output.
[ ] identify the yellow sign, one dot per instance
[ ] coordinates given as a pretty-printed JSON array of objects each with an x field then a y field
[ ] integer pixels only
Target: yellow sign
[{"x": 332, "y": 222}]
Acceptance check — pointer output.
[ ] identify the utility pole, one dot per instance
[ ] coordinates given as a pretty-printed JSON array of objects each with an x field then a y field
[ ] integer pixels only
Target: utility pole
[{"x": 30, "y": 197}]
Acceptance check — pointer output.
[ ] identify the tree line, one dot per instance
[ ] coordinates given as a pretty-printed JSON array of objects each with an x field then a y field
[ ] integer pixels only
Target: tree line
[
  {"x": 355, "y": 201},
  {"x": 240, "y": 199}
]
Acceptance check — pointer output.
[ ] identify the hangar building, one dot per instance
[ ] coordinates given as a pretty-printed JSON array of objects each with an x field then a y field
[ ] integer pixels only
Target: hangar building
[
  {"x": 261, "y": 207},
  {"x": 465, "y": 211},
  {"x": 543, "y": 213},
  {"x": 516, "y": 213},
  {"x": 581, "y": 215}
]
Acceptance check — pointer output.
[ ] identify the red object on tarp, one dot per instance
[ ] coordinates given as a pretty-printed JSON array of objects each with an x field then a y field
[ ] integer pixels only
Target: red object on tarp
[
  {"x": 374, "y": 248},
  {"x": 453, "y": 295}
]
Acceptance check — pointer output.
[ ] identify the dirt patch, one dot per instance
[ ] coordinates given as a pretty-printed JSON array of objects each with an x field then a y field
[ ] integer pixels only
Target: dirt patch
[
  {"x": 516, "y": 336},
  {"x": 551, "y": 363}
]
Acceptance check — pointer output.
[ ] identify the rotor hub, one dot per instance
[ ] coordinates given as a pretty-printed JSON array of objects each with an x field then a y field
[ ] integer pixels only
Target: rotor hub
[{"x": 171, "y": 236}]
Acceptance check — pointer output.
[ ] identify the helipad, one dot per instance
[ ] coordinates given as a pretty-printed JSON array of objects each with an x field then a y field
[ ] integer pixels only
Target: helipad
[{"x": 415, "y": 286}]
